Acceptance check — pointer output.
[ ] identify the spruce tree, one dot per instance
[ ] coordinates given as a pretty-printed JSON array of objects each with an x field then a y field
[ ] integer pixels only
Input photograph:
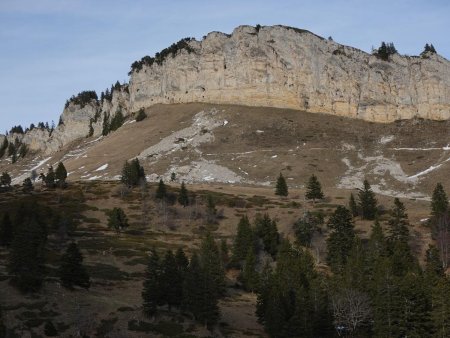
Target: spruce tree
[
  {"x": 6, "y": 230},
  {"x": 50, "y": 178},
  {"x": 171, "y": 281},
  {"x": 211, "y": 262},
  {"x": 439, "y": 201},
  {"x": 440, "y": 313},
  {"x": 243, "y": 241},
  {"x": 341, "y": 238},
  {"x": 27, "y": 185},
  {"x": 117, "y": 219},
  {"x": 314, "y": 189},
  {"x": 367, "y": 202},
  {"x": 304, "y": 229},
  {"x": 266, "y": 229},
  {"x": 72, "y": 272},
  {"x": 60, "y": 175},
  {"x": 200, "y": 294},
  {"x": 224, "y": 252},
  {"x": 353, "y": 206},
  {"x": 281, "y": 188},
  {"x": 249, "y": 275},
  {"x": 398, "y": 223},
  {"x": 183, "y": 198},
  {"x": 5, "y": 180},
  {"x": 152, "y": 293},
  {"x": 161, "y": 191}
]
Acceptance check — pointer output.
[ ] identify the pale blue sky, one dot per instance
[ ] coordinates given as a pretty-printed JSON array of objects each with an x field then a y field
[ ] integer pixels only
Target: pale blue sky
[{"x": 52, "y": 49}]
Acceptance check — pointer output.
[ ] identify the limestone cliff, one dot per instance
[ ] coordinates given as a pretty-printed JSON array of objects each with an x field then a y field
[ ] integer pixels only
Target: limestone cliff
[{"x": 284, "y": 67}]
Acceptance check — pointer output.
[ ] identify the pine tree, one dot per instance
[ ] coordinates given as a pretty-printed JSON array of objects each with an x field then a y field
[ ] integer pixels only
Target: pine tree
[
  {"x": 61, "y": 175},
  {"x": 200, "y": 295},
  {"x": 50, "y": 178},
  {"x": 117, "y": 219},
  {"x": 433, "y": 267},
  {"x": 171, "y": 281},
  {"x": 367, "y": 202},
  {"x": 183, "y": 198},
  {"x": 341, "y": 238},
  {"x": 224, "y": 252},
  {"x": 353, "y": 206},
  {"x": 4, "y": 147},
  {"x": 211, "y": 211},
  {"x": 152, "y": 292},
  {"x": 5, "y": 180},
  {"x": 132, "y": 173},
  {"x": 314, "y": 189},
  {"x": 249, "y": 275},
  {"x": 27, "y": 185},
  {"x": 266, "y": 229},
  {"x": 6, "y": 230},
  {"x": 304, "y": 229},
  {"x": 439, "y": 201},
  {"x": 72, "y": 272},
  {"x": 211, "y": 263},
  {"x": 440, "y": 313},
  {"x": 243, "y": 241},
  {"x": 161, "y": 191},
  {"x": 398, "y": 223},
  {"x": 281, "y": 188}
]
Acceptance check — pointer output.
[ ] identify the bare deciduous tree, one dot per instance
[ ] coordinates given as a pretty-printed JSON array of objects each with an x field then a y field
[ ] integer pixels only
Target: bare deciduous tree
[{"x": 351, "y": 310}]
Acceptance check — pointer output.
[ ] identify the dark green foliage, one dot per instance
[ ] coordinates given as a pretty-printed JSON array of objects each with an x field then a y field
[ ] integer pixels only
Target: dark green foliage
[
  {"x": 183, "y": 197},
  {"x": 341, "y": 238},
  {"x": 433, "y": 268},
  {"x": 161, "y": 56},
  {"x": 352, "y": 205},
  {"x": 83, "y": 98},
  {"x": 60, "y": 175},
  {"x": 16, "y": 130},
  {"x": 27, "y": 185},
  {"x": 304, "y": 228},
  {"x": 171, "y": 281},
  {"x": 141, "y": 115},
  {"x": 173, "y": 177},
  {"x": 26, "y": 257},
  {"x": 266, "y": 229},
  {"x": 314, "y": 189},
  {"x": 281, "y": 188},
  {"x": 152, "y": 293},
  {"x": 106, "y": 125},
  {"x": 367, "y": 202},
  {"x": 385, "y": 50},
  {"x": 161, "y": 191},
  {"x": 249, "y": 275},
  {"x": 211, "y": 263},
  {"x": 440, "y": 313},
  {"x": 50, "y": 329},
  {"x": 439, "y": 201},
  {"x": 211, "y": 211},
  {"x": 23, "y": 150},
  {"x": 292, "y": 301},
  {"x": 117, "y": 219},
  {"x": 5, "y": 179},
  {"x": 398, "y": 223},
  {"x": 429, "y": 48},
  {"x": 11, "y": 149},
  {"x": 2, "y": 325},
  {"x": 6, "y": 230},
  {"x": 72, "y": 272},
  {"x": 132, "y": 173},
  {"x": 50, "y": 178},
  {"x": 243, "y": 241},
  {"x": 116, "y": 122},
  {"x": 200, "y": 295},
  {"x": 224, "y": 252}
]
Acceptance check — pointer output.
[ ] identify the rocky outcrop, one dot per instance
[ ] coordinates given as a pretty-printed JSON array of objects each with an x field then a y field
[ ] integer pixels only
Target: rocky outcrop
[{"x": 290, "y": 68}]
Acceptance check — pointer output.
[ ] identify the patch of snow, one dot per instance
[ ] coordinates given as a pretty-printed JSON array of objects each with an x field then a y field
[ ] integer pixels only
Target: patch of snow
[
  {"x": 129, "y": 122},
  {"x": 103, "y": 167},
  {"x": 426, "y": 171},
  {"x": 93, "y": 141},
  {"x": 94, "y": 178},
  {"x": 386, "y": 139},
  {"x": 274, "y": 156},
  {"x": 260, "y": 131},
  {"x": 424, "y": 220},
  {"x": 225, "y": 122}
]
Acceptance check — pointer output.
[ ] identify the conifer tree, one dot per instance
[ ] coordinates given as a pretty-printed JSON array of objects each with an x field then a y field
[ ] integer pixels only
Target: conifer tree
[
  {"x": 27, "y": 185},
  {"x": 433, "y": 267},
  {"x": 367, "y": 202},
  {"x": 211, "y": 211},
  {"x": 440, "y": 313},
  {"x": 281, "y": 188},
  {"x": 4, "y": 147},
  {"x": 314, "y": 189},
  {"x": 181, "y": 260},
  {"x": 161, "y": 191},
  {"x": 6, "y": 230},
  {"x": 117, "y": 219},
  {"x": 341, "y": 238},
  {"x": 224, "y": 252},
  {"x": 152, "y": 292},
  {"x": 353, "y": 206},
  {"x": 132, "y": 173},
  {"x": 243, "y": 241},
  {"x": 171, "y": 281},
  {"x": 183, "y": 198},
  {"x": 50, "y": 178},
  {"x": 304, "y": 229},
  {"x": 398, "y": 223},
  {"x": 60, "y": 175},
  {"x": 5, "y": 180},
  {"x": 249, "y": 275},
  {"x": 211, "y": 262},
  {"x": 439, "y": 201},
  {"x": 72, "y": 272},
  {"x": 266, "y": 229}
]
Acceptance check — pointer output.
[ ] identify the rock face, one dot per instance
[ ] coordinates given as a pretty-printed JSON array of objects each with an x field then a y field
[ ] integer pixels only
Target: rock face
[{"x": 284, "y": 67}]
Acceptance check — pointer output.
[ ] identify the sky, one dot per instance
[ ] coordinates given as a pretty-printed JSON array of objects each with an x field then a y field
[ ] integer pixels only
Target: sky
[{"x": 53, "y": 49}]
